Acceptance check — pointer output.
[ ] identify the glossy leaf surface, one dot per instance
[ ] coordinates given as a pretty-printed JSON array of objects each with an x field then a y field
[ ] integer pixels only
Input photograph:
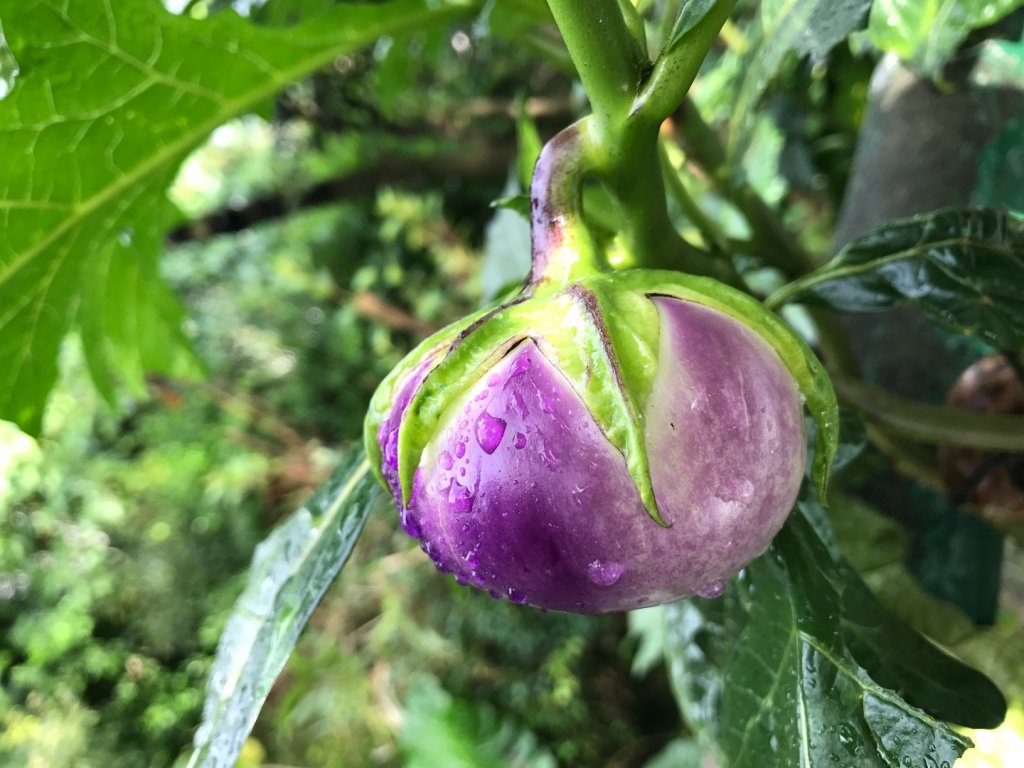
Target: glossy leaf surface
[
  {"x": 798, "y": 665},
  {"x": 290, "y": 572},
  {"x": 964, "y": 269}
]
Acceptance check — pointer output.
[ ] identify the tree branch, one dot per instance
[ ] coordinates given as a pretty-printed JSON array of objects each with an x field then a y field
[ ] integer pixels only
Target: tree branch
[{"x": 476, "y": 162}]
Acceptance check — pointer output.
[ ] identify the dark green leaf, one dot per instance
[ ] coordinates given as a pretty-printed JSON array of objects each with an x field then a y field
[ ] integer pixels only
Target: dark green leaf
[
  {"x": 927, "y": 34},
  {"x": 110, "y": 99},
  {"x": 789, "y": 668},
  {"x": 964, "y": 269},
  {"x": 290, "y": 571}
]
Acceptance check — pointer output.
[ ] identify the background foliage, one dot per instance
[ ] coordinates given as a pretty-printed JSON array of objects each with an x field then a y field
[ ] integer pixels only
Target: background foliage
[{"x": 219, "y": 233}]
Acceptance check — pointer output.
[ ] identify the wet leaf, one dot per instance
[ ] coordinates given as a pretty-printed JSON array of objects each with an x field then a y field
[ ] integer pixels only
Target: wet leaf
[
  {"x": 798, "y": 665},
  {"x": 962, "y": 268},
  {"x": 289, "y": 574}
]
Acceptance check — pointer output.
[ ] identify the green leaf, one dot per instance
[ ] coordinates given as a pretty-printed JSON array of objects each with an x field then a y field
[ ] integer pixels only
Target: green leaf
[
  {"x": 798, "y": 666},
  {"x": 290, "y": 572},
  {"x": 687, "y": 17},
  {"x": 529, "y": 144},
  {"x": 927, "y": 34},
  {"x": 786, "y": 26},
  {"x": 963, "y": 268},
  {"x": 440, "y": 730},
  {"x": 111, "y": 98}
]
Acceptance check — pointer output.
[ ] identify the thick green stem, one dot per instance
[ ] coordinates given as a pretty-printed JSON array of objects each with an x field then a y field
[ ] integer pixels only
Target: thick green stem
[
  {"x": 605, "y": 54},
  {"x": 623, "y": 134},
  {"x": 933, "y": 424}
]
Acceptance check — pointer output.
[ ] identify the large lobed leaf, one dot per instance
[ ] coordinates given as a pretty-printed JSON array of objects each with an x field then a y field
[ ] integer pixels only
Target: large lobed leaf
[
  {"x": 962, "y": 268},
  {"x": 110, "y": 98},
  {"x": 290, "y": 572},
  {"x": 798, "y": 665}
]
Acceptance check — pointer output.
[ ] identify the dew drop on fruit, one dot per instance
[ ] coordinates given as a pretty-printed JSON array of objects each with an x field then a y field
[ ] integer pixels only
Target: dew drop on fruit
[
  {"x": 460, "y": 498},
  {"x": 519, "y": 441},
  {"x": 446, "y": 460},
  {"x": 605, "y": 574},
  {"x": 489, "y": 431},
  {"x": 516, "y": 595},
  {"x": 712, "y": 589},
  {"x": 472, "y": 560},
  {"x": 460, "y": 450}
]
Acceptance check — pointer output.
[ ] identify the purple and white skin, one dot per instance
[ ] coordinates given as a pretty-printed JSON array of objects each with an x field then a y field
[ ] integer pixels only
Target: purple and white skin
[
  {"x": 522, "y": 489},
  {"x": 521, "y": 494}
]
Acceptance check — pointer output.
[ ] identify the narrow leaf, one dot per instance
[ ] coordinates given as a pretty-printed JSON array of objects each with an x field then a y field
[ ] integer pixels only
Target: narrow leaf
[
  {"x": 290, "y": 572},
  {"x": 962, "y": 268},
  {"x": 687, "y": 17}
]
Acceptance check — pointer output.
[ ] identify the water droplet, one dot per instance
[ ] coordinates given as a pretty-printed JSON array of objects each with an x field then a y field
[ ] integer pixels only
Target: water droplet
[
  {"x": 489, "y": 431},
  {"x": 484, "y": 394},
  {"x": 8, "y": 67},
  {"x": 461, "y": 580},
  {"x": 519, "y": 441},
  {"x": 516, "y": 595},
  {"x": 605, "y": 574},
  {"x": 410, "y": 524},
  {"x": 466, "y": 528},
  {"x": 712, "y": 589},
  {"x": 460, "y": 450},
  {"x": 460, "y": 498},
  {"x": 445, "y": 460},
  {"x": 126, "y": 237},
  {"x": 494, "y": 593},
  {"x": 472, "y": 560}
]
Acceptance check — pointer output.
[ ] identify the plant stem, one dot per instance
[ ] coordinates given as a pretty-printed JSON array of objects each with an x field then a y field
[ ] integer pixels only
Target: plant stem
[
  {"x": 677, "y": 66},
  {"x": 934, "y": 424},
  {"x": 562, "y": 246},
  {"x": 623, "y": 132},
  {"x": 604, "y": 52}
]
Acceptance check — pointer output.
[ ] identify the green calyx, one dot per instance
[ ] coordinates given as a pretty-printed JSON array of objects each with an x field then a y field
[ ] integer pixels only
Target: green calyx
[{"x": 601, "y": 334}]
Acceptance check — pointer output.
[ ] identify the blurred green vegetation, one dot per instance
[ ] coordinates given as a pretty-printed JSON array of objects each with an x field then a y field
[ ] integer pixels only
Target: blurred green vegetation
[{"x": 125, "y": 533}]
